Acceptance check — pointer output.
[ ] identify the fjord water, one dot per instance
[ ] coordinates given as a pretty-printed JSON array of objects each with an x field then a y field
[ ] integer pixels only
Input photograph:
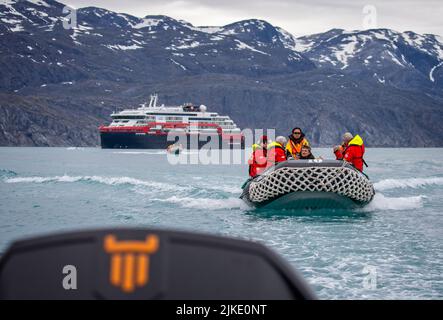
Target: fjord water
[{"x": 393, "y": 248}]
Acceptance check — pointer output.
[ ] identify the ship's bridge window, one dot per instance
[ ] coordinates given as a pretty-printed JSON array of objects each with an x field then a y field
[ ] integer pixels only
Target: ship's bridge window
[
  {"x": 174, "y": 118},
  {"x": 201, "y": 119},
  {"x": 172, "y": 114},
  {"x": 129, "y": 117}
]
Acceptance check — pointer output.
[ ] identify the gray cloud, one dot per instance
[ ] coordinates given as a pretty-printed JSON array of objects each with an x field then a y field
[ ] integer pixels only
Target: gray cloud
[{"x": 298, "y": 17}]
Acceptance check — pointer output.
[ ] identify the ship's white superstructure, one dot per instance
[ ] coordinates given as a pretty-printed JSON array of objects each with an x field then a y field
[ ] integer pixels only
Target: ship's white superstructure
[{"x": 187, "y": 118}]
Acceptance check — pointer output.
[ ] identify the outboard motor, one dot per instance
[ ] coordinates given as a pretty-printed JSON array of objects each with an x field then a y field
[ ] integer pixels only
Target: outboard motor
[{"x": 146, "y": 264}]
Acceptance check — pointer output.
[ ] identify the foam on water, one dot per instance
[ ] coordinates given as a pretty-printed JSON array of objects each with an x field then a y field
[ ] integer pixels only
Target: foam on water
[
  {"x": 159, "y": 152},
  {"x": 75, "y": 148},
  {"x": 226, "y": 188},
  {"x": 112, "y": 181},
  {"x": 141, "y": 152},
  {"x": 388, "y": 184},
  {"x": 382, "y": 203},
  {"x": 205, "y": 204},
  {"x": 47, "y": 190}
]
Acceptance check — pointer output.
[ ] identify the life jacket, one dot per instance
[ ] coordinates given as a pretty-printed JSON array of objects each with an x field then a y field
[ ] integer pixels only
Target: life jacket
[
  {"x": 294, "y": 147},
  {"x": 276, "y": 153},
  {"x": 354, "y": 153},
  {"x": 255, "y": 146},
  {"x": 275, "y": 144},
  {"x": 258, "y": 161}
]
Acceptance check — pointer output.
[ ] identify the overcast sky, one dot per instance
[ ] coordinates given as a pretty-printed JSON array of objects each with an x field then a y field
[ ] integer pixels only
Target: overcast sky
[{"x": 298, "y": 17}]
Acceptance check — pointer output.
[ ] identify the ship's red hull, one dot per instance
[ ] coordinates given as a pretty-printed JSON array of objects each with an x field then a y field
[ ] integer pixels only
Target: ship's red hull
[{"x": 140, "y": 140}]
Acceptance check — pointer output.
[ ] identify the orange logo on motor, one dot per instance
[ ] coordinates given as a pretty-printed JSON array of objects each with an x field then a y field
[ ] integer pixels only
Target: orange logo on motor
[{"x": 130, "y": 261}]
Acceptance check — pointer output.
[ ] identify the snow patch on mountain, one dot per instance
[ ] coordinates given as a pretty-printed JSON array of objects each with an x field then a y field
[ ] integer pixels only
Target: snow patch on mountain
[
  {"x": 413, "y": 39},
  {"x": 246, "y": 26},
  {"x": 178, "y": 64},
  {"x": 381, "y": 35},
  {"x": 217, "y": 38},
  {"x": 438, "y": 48},
  {"x": 381, "y": 80},
  {"x": 287, "y": 39},
  {"x": 124, "y": 48},
  {"x": 147, "y": 23},
  {"x": 347, "y": 51},
  {"x": 193, "y": 44},
  {"x": 243, "y": 46},
  {"x": 11, "y": 21},
  {"x": 431, "y": 73},
  {"x": 11, "y": 10},
  {"x": 79, "y": 30},
  {"x": 39, "y": 3},
  {"x": 303, "y": 45},
  {"x": 394, "y": 58},
  {"x": 209, "y": 30}
]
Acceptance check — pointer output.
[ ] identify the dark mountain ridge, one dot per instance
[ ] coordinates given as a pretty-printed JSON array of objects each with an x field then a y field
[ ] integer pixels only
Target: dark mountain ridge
[{"x": 58, "y": 85}]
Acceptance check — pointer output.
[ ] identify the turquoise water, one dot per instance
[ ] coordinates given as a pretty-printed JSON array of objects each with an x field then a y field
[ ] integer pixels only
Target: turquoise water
[{"x": 393, "y": 248}]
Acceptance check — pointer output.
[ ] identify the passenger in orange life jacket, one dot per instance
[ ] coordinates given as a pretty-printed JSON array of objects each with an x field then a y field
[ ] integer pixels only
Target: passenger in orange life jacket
[
  {"x": 339, "y": 151},
  {"x": 296, "y": 141}
]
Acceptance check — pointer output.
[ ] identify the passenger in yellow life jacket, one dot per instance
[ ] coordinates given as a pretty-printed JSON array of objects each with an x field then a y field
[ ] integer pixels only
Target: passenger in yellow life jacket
[
  {"x": 354, "y": 153},
  {"x": 296, "y": 141},
  {"x": 276, "y": 152}
]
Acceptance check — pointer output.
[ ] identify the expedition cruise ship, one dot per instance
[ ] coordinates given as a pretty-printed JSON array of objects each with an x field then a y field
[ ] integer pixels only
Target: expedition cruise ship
[{"x": 157, "y": 127}]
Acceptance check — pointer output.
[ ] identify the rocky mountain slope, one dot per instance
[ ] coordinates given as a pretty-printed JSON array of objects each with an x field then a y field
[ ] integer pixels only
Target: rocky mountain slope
[{"x": 58, "y": 85}]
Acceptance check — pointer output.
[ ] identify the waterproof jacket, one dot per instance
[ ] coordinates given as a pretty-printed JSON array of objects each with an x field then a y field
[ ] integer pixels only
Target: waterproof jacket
[
  {"x": 276, "y": 154},
  {"x": 354, "y": 152},
  {"x": 294, "y": 146},
  {"x": 339, "y": 153},
  {"x": 257, "y": 162}
]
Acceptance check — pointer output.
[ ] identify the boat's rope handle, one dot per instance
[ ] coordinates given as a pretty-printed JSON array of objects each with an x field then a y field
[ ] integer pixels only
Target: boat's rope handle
[{"x": 339, "y": 170}]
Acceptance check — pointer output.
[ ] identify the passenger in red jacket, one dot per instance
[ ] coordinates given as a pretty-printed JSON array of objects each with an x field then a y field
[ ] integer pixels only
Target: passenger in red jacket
[
  {"x": 258, "y": 160},
  {"x": 277, "y": 151},
  {"x": 339, "y": 151},
  {"x": 354, "y": 153}
]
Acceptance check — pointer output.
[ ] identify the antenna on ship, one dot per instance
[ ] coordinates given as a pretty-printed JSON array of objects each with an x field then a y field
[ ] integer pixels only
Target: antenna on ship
[{"x": 153, "y": 101}]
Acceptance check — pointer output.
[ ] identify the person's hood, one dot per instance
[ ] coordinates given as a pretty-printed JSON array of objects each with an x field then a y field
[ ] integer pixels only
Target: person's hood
[
  {"x": 297, "y": 141},
  {"x": 356, "y": 141},
  {"x": 275, "y": 144}
]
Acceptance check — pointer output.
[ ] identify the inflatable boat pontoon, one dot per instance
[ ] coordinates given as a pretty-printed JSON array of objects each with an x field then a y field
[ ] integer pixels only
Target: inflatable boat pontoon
[{"x": 309, "y": 184}]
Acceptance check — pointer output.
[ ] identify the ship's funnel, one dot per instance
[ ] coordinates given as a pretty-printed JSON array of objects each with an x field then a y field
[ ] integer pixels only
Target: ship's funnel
[{"x": 153, "y": 101}]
